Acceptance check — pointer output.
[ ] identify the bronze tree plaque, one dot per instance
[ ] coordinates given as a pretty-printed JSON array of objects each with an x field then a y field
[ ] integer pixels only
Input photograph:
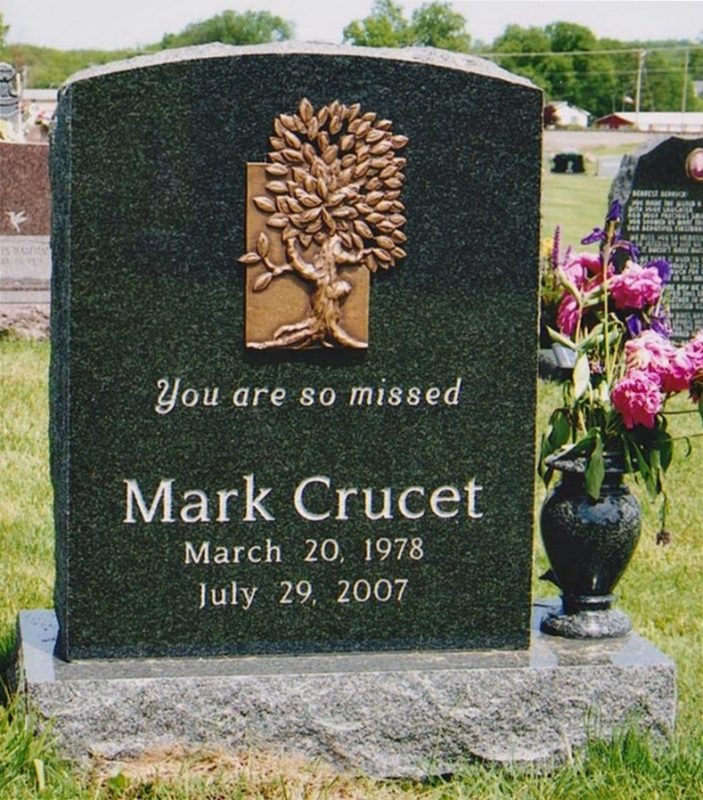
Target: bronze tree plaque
[{"x": 322, "y": 213}]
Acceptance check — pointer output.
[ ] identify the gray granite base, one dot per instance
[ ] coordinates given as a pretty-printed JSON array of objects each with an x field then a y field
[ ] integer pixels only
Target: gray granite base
[{"x": 389, "y": 714}]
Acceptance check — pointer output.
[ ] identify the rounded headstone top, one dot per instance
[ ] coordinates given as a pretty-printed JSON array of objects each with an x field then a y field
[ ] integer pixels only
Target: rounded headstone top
[{"x": 420, "y": 55}]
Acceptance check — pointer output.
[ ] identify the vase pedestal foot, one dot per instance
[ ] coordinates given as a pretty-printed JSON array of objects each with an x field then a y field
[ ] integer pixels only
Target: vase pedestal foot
[
  {"x": 587, "y": 625},
  {"x": 587, "y": 618}
]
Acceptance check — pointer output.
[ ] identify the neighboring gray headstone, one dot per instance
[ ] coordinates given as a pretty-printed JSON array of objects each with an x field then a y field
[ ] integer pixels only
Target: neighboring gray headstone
[
  {"x": 10, "y": 114},
  {"x": 374, "y": 499},
  {"x": 9, "y": 99},
  {"x": 661, "y": 188}
]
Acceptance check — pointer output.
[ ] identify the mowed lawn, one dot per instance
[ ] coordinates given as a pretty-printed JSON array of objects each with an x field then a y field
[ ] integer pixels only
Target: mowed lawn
[{"x": 662, "y": 592}]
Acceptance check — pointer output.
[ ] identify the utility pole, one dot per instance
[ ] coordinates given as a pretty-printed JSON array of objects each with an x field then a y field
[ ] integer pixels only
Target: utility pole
[
  {"x": 638, "y": 91},
  {"x": 685, "y": 81}
]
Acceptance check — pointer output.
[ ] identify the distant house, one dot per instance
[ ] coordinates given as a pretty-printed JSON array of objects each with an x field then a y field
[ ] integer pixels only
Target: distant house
[
  {"x": 561, "y": 114},
  {"x": 653, "y": 121}
]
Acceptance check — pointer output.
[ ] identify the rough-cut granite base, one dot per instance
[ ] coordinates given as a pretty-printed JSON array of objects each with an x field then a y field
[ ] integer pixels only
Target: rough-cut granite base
[{"x": 388, "y": 714}]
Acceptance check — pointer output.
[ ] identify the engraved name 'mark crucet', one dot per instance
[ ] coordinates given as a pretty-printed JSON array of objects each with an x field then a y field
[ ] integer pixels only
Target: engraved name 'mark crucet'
[{"x": 327, "y": 202}]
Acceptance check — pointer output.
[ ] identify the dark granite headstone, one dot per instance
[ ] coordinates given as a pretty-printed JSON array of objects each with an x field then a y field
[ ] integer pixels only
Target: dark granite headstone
[
  {"x": 216, "y": 499},
  {"x": 661, "y": 188},
  {"x": 568, "y": 163},
  {"x": 25, "y": 223}
]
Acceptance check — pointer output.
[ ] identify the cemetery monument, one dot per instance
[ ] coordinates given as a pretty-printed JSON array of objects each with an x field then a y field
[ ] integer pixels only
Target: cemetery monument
[
  {"x": 25, "y": 207},
  {"x": 293, "y": 392},
  {"x": 661, "y": 188}
]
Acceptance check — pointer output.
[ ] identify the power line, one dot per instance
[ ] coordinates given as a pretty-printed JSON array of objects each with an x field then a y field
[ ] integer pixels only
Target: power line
[
  {"x": 647, "y": 71},
  {"x": 596, "y": 52}
]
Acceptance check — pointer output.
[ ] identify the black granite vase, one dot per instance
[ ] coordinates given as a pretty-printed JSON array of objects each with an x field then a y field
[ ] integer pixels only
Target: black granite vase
[{"x": 589, "y": 544}]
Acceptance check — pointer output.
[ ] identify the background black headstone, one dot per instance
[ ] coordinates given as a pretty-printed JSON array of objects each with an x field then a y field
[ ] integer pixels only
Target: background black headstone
[
  {"x": 664, "y": 217},
  {"x": 149, "y": 170}
]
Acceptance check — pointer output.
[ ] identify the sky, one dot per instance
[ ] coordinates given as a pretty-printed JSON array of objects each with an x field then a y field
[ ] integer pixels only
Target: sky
[{"x": 111, "y": 24}]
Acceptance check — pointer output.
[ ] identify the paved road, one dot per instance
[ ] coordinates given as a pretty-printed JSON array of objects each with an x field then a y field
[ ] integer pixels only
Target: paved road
[{"x": 583, "y": 141}]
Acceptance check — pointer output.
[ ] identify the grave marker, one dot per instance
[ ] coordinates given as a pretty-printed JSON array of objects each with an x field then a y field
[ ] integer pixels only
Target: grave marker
[
  {"x": 9, "y": 100},
  {"x": 661, "y": 188},
  {"x": 25, "y": 223},
  {"x": 321, "y": 458},
  {"x": 216, "y": 497}
]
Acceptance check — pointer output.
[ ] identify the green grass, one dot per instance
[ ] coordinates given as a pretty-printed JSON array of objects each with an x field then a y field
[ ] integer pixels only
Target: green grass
[
  {"x": 577, "y": 203},
  {"x": 661, "y": 592},
  {"x": 26, "y": 541}
]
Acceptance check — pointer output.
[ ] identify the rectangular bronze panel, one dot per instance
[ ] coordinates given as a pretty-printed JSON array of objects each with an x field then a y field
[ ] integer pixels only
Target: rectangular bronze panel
[{"x": 286, "y": 299}]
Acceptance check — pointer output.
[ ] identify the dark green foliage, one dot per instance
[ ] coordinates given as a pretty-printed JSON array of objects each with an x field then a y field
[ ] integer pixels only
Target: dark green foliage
[
  {"x": 48, "y": 67},
  {"x": 570, "y": 63},
  {"x": 436, "y": 25},
  {"x": 384, "y": 27},
  {"x": 432, "y": 25},
  {"x": 249, "y": 27},
  {"x": 516, "y": 40}
]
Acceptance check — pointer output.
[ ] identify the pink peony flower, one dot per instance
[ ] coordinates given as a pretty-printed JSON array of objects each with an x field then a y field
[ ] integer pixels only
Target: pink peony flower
[
  {"x": 668, "y": 365},
  {"x": 591, "y": 263},
  {"x": 574, "y": 272},
  {"x": 649, "y": 351},
  {"x": 568, "y": 315},
  {"x": 694, "y": 350},
  {"x": 679, "y": 372},
  {"x": 637, "y": 398},
  {"x": 636, "y": 286},
  {"x": 579, "y": 267}
]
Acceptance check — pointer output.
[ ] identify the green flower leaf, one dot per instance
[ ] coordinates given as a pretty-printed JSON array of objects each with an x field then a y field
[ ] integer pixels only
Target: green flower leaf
[
  {"x": 559, "y": 338},
  {"x": 666, "y": 451},
  {"x": 560, "y": 429},
  {"x": 594, "y": 337},
  {"x": 582, "y": 376},
  {"x": 595, "y": 471},
  {"x": 584, "y": 446},
  {"x": 570, "y": 287},
  {"x": 556, "y": 437}
]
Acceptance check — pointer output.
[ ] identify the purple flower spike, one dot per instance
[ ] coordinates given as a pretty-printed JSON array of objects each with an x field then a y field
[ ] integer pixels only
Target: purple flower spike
[
  {"x": 597, "y": 235},
  {"x": 615, "y": 212},
  {"x": 661, "y": 325},
  {"x": 554, "y": 259},
  {"x": 625, "y": 251},
  {"x": 663, "y": 268},
  {"x": 634, "y": 325}
]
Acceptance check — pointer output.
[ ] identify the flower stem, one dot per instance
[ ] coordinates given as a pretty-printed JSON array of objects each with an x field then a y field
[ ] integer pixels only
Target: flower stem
[{"x": 610, "y": 228}]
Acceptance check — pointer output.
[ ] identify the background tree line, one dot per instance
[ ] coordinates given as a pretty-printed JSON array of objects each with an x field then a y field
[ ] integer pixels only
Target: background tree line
[{"x": 565, "y": 59}]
